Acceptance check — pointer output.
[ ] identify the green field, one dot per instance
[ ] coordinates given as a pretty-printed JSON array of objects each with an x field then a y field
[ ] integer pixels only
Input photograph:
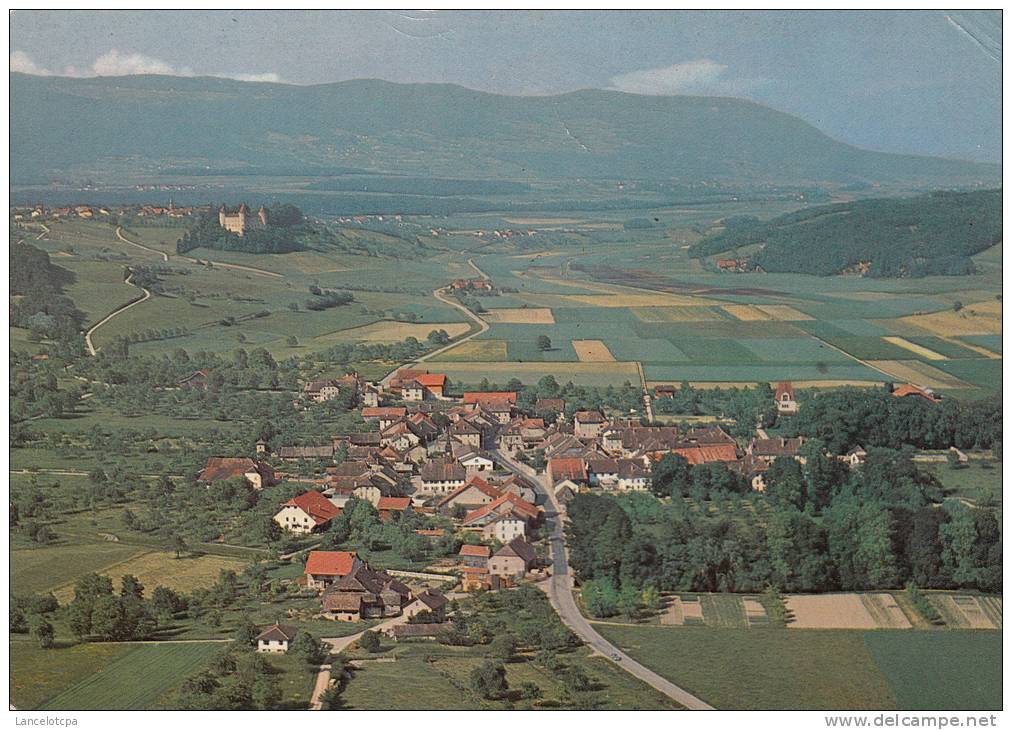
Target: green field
[
  {"x": 430, "y": 676},
  {"x": 746, "y": 669},
  {"x": 136, "y": 680},
  {"x": 40, "y": 674},
  {"x": 574, "y": 274}
]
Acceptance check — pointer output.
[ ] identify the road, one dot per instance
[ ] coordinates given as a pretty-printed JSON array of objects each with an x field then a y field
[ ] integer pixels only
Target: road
[
  {"x": 124, "y": 239},
  {"x": 560, "y": 593},
  {"x": 482, "y": 327},
  {"x": 119, "y": 310}
]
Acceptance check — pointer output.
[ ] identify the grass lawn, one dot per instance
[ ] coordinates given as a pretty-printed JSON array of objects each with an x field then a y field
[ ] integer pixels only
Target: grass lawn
[
  {"x": 136, "y": 680},
  {"x": 43, "y": 569},
  {"x": 38, "y": 674},
  {"x": 940, "y": 670},
  {"x": 973, "y": 482},
  {"x": 746, "y": 669}
]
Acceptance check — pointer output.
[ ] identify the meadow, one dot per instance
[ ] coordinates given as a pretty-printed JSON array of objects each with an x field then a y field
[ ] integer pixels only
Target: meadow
[{"x": 747, "y": 669}]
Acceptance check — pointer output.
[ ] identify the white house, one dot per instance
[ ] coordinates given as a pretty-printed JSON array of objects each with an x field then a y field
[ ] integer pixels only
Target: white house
[
  {"x": 276, "y": 639},
  {"x": 505, "y": 528}
]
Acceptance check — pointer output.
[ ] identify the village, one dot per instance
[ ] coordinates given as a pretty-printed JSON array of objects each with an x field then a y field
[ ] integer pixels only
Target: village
[{"x": 494, "y": 470}]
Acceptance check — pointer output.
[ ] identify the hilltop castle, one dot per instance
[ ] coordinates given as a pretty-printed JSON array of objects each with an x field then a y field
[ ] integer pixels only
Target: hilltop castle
[{"x": 242, "y": 221}]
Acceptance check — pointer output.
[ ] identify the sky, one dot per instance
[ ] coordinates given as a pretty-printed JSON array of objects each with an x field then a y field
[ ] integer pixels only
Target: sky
[{"x": 919, "y": 82}]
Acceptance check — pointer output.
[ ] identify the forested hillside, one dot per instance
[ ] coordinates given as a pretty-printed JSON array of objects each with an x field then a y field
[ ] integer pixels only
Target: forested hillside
[
  {"x": 933, "y": 234},
  {"x": 440, "y": 130}
]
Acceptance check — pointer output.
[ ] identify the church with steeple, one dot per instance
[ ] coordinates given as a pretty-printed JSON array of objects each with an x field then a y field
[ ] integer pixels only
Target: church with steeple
[{"x": 242, "y": 220}]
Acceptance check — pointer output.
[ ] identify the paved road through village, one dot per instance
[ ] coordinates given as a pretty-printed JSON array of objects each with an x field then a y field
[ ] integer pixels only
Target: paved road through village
[{"x": 560, "y": 593}]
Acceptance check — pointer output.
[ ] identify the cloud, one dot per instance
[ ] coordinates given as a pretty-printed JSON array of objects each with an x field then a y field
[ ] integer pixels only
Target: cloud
[
  {"x": 115, "y": 63},
  {"x": 21, "y": 62},
  {"x": 701, "y": 76}
]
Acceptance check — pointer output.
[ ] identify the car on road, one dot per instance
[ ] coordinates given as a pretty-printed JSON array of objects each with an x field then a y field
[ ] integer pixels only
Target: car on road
[{"x": 616, "y": 657}]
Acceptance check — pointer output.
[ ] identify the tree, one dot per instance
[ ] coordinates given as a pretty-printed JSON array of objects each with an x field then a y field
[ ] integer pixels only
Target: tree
[
  {"x": 489, "y": 680},
  {"x": 310, "y": 649},
  {"x": 370, "y": 642},
  {"x": 178, "y": 545},
  {"x": 42, "y": 630},
  {"x": 292, "y": 341},
  {"x": 246, "y": 633},
  {"x": 671, "y": 476},
  {"x": 544, "y": 343},
  {"x": 503, "y": 647}
]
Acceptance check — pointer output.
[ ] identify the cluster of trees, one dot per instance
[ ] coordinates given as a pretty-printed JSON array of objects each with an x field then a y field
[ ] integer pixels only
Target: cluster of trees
[
  {"x": 100, "y": 612},
  {"x": 35, "y": 389},
  {"x": 745, "y": 406},
  {"x": 33, "y": 615},
  {"x": 623, "y": 399},
  {"x": 933, "y": 234},
  {"x": 817, "y": 528},
  {"x": 848, "y": 417},
  {"x": 324, "y": 299},
  {"x": 360, "y": 525},
  {"x": 285, "y": 231},
  {"x": 39, "y": 304}
]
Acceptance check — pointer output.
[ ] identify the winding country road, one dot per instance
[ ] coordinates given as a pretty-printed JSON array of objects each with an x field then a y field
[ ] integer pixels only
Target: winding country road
[
  {"x": 482, "y": 327},
  {"x": 124, "y": 239},
  {"x": 119, "y": 310},
  {"x": 560, "y": 593}
]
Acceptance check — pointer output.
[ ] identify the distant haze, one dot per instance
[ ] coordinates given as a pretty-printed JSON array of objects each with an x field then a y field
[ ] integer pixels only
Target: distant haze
[{"x": 905, "y": 81}]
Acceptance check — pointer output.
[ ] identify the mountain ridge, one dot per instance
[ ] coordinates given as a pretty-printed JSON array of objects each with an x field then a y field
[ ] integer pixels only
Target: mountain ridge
[{"x": 60, "y": 123}]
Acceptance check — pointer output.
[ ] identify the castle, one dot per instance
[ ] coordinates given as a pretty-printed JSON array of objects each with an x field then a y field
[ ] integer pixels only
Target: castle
[{"x": 243, "y": 220}]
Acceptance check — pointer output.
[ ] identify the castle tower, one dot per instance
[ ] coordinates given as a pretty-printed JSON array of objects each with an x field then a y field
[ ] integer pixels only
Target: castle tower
[{"x": 262, "y": 215}]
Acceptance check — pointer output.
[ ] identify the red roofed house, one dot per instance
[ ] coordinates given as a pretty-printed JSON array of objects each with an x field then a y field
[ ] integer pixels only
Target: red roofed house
[
  {"x": 475, "y": 556},
  {"x": 220, "y": 468},
  {"x": 323, "y": 567},
  {"x": 196, "y": 381},
  {"x": 704, "y": 454},
  {"x": 384, "y": 414},
  {"x": 482, "y": 398},
  {"x": 474, "y": 493},
  {"x": 909, "y": 389},
  {"x": 784, "y": 395},
  {"x": 306, "y": 512},
  {"x": 389, "y": 506},
  {"x": 573, "y": 469},
  {"x": 588, "y": 424},
  {"x": 435, "y": 383}
]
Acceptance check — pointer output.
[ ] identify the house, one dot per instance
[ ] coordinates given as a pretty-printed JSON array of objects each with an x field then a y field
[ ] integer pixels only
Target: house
[
  {"x": 511, "y": 438},
  {"x": 390, "y": 506},
  {"x": 602, "y": 472},
  {"x": 514, "y": 484},
  {"x": 484, "y": 398},
  {"x": 276, "y": 639},
  {"x": 442, "y": 477},
  {"x": 385, "y": 415},
  {"x": 474, "y": 556},
  {"x": 508, "y": 505},
  {"x": 753, "y": 469},
  {"x": 321, "y": 390},
  {"x": 323, "y": 567},
  {"x": 786, "y": 403},
  {"x": 306, "y": 512},
  {"x": 855, "y": 457},
  {"x": 573, "y": 469},
  {"x": 410, "y": 390},
  {"x": 475, "y": 579},
  {"x": 428, "y": 600},
  {"x": 908, "y": 389},
  {"x": 772, "y": 448},
  {"x": 370, "y": 397},
  {"x": 434, "y": 383},
  {"x": 466, "y": 433},
  {"x": 196, "y": 381},
  {"x": 565, "y": 491},
  {"x": 475, "y": 492},
  {"x": 513, "y": 559},
  {"x": 364, "y": 594},
  {"x": 665, "y": 391},
  {"x": 504, "y": 528},
  {"x": 219, "y": 468},
  {"x": 556, "y": 406},
  {"x": 632, "y": 475},
  {"x": 476, "y": 463},
  {"x": 588, "y": 424}
]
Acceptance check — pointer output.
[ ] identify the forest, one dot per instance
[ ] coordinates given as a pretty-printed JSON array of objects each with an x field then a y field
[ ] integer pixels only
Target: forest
[{"x": 928, "y": 235}]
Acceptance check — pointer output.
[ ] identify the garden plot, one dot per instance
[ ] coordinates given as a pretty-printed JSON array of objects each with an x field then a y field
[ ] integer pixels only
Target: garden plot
[
  {"x": 963, "y": 612},
  {"x": 520, "y": 315},
  {"x": 886, "y": 611},
  {"x": 673, "y": 614},
  {"x": 755, "y": 612},
  {"x": 475, "y": 351},
  {"x": 592, "y": 351},
  {"x": 833, "y": 611},
  {"x": 692, "y": 610}
]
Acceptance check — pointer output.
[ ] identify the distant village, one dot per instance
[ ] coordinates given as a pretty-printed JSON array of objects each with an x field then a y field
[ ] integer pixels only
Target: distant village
[{"x": 470, "y": 459}]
